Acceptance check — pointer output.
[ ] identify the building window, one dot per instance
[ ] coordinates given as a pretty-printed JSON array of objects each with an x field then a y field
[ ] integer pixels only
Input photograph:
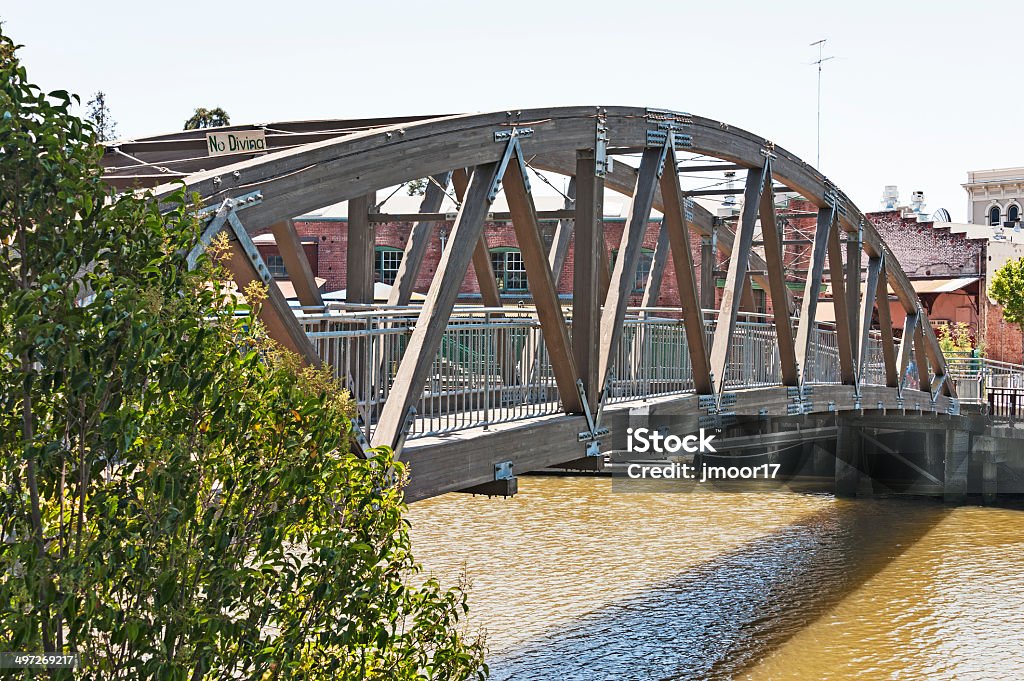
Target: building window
[
  {"x": 509, "y": 269},
  {"x": 275, "y": 264},
  {"x": 643, "y": 268},
  {"x": 385, "y": 263},
  {"x": 994, "y": 216},
  {"x": 1013, "y": 213}
]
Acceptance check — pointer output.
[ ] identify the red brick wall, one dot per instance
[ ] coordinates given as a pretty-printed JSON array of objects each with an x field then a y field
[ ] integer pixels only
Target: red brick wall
[
  {"x": 1002, "y": 339},
  {"x": 332, "y": 236},
  {"x": 311, "y": 253},
  {"x": 922, "y": 250}
]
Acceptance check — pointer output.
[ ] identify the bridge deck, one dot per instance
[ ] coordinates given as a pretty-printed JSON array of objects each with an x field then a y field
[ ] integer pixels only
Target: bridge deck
[{"x": 455, "y": 461}]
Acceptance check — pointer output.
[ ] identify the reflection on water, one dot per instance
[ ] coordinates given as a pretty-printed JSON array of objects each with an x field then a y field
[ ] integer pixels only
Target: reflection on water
[{"x": 572, "y": 581}]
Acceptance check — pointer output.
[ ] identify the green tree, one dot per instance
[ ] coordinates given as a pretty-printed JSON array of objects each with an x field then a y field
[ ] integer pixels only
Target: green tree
[
  {"x": 1007, "y": 289},
  {"x": 100, "y": 117},
  {"x": 207, "y": 118},
  {"x": 177, "y": 499},
  {"x": 416, "y": 187},
  {"x": 956, "y": 339}
]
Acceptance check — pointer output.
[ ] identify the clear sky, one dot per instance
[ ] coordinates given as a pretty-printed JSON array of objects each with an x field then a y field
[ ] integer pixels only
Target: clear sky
[{"x": 918, "y": 93}]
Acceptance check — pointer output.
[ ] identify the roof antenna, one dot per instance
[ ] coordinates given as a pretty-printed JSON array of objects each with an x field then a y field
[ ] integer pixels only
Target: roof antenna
[{"x": 821, "y": 59}]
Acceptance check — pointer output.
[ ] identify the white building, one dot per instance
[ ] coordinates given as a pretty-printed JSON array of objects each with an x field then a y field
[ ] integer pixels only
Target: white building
[{"x": 995, "y": 197}]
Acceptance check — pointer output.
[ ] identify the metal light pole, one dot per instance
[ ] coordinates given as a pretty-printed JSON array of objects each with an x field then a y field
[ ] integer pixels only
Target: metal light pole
[{"x": 821, "y": 59}]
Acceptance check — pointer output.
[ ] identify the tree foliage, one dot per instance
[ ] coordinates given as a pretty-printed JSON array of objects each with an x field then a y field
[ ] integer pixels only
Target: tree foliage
[
  {"x": 99, "y": 115},
  {"x": 207, "y": 118},
  {"x": 1007, "y": 289},
  {"x": 956, "y": 338},
  {"x": 416, "y": 187},
  {"x": 177, "y": 500}
]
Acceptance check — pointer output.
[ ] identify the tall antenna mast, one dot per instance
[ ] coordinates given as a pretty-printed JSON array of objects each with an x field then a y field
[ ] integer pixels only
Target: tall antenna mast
[{"x": 821, "y": 60}]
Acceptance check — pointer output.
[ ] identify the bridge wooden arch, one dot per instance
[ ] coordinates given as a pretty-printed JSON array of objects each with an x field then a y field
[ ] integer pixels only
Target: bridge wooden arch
[{"x": 317, "y": 163}]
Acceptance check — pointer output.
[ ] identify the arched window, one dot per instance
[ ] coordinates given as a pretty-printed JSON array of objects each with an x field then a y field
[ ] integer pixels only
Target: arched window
[
  {"x": 1013, "y": 213},
  {"x": 386, "y": 261},
  {"x": 509, "y": 269},
  {"x": 994, "y": 216},
  {"x": 643, "y": 268}
]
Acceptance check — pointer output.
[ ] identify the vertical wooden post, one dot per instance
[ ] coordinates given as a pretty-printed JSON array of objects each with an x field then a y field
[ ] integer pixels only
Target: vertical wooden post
[
  {"x": 737, "y": 275},
  {"x": 359, "y": 288},
  {"x": 708, "y": 257},
  {"x": 588, "y": 254},
  {"x": 853, "y": 258}
]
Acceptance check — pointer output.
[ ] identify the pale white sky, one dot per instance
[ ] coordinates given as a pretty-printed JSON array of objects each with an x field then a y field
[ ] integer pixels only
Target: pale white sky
[{"x": 918, "y": 94}]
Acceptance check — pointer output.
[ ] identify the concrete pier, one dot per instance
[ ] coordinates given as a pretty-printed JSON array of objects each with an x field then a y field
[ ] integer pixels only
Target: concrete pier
[
  {"x": 989, "y": 481},
  {"x": 848, "y": 454},
  {"x": 956, "y": 460}
]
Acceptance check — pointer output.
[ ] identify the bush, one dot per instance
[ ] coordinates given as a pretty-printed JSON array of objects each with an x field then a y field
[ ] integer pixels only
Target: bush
[{"x": 177, "y": 500}]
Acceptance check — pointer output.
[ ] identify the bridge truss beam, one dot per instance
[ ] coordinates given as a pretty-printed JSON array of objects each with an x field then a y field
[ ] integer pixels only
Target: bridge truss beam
[{"x": 313, "y": 164}]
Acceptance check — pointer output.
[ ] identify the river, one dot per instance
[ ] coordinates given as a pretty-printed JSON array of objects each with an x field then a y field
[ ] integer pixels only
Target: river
[{"x": 571, "y": 580}]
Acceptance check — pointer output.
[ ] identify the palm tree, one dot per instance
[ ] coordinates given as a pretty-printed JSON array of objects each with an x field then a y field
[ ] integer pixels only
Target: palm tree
[{"x": 207, "y": 118}]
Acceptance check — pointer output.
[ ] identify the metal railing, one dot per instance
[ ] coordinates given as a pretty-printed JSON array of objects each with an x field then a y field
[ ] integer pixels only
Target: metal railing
[
  {"x": 1006, "y": 403},
  {"x": 493, "y": 367},
  {"x": 974, "y": 377}
]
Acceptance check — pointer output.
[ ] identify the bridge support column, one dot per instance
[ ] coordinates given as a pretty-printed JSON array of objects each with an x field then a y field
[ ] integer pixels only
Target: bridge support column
[
  {"x": 822, "y": 460},
  {"x": 934, "y": 452},
  {"x": 359, "y": 279},
  {"x": 708, "y": 249},
  {"x": 588, "y": 253},
  {"x": 957, "y": 455},
  {"x": 989, "y": 481},
  {"x": 848, "y": 455},
  {"x": 359, "y": 287}
]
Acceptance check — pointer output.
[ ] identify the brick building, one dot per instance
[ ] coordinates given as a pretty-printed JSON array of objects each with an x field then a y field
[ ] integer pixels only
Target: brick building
[
  {"x": 948, "y": 268},
  {"x": 325, "y": 241}
]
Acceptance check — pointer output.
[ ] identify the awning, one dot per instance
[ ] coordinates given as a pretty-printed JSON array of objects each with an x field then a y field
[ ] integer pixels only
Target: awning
[
  {"x": 825, "y": 311},
  {"x": 923, "y": 285},
  {"x": 288, "y": 289},
  {"x": 381, "y": 292},
  {"x": 941, "y": 285}
]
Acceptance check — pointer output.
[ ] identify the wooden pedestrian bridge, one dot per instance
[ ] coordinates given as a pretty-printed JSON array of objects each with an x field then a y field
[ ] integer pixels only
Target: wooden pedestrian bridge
[{"x": 471, "y": 395}]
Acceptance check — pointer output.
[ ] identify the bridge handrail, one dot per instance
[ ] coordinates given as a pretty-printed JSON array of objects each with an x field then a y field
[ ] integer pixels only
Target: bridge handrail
[{"x": 493, "y": 367}]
